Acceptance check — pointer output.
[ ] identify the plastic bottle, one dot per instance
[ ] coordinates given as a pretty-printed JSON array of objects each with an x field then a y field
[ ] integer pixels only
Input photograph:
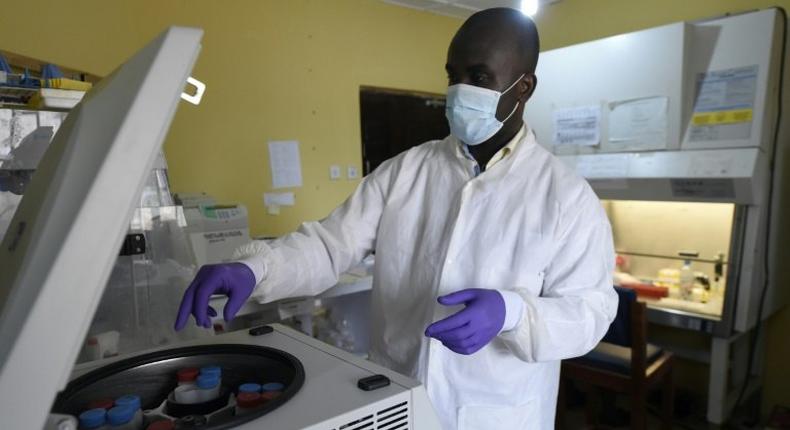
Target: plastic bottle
[
  {"x": 345, "y": 335},
  {"x": 132, "y": 401},
  {"x": 208, "y": 387},
  {"x": 122, "y": 418},
  {"x": 250, "y": 387},
  {"x": 247, "y": 402},
  {"x": 686, "y": 281},
  {"x": 93, "y": 419},
  {"x": 187, "y": 375}
]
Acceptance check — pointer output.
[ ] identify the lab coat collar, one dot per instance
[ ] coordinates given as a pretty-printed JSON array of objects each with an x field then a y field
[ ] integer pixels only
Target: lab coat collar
[{"x": 502, "y": 168}]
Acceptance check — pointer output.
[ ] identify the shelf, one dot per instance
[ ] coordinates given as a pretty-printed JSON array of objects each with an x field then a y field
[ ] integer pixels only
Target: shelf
[
  {"x": 38, "y": 99},
  {"x": 19, "y": 63}
]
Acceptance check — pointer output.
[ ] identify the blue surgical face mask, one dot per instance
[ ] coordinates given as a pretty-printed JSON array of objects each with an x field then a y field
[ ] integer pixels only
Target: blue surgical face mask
[{"x": 471, "y": 112}]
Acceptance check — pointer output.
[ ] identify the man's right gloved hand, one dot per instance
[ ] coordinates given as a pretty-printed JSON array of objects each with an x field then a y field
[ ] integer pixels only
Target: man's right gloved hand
[{"x": 234, "y": 280}]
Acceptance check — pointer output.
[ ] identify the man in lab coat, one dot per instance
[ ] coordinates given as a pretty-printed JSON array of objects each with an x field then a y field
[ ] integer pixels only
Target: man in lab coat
[{"x": 514, "y": 245}]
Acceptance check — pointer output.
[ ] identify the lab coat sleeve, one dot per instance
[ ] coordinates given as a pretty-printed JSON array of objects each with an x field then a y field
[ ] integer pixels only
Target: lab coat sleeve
[
  {"x": 310, "y": 260},
  {"x": 577, "y": 302}
]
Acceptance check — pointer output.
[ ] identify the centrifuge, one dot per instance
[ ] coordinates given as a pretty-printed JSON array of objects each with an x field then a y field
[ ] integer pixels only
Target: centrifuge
[{"x": 56, "y": 258}]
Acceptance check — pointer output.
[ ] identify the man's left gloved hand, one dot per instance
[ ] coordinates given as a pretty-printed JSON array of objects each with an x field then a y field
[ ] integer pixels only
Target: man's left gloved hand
[{"x": 473, "y": 327}]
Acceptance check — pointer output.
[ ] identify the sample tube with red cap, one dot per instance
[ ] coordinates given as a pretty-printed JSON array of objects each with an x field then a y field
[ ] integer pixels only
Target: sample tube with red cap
[
  {"x": 105, "y": 404},
  {"x": 187, "y": 375},
  {"x": 161, "y": 425},
  {"x": 247, "y": 402}
]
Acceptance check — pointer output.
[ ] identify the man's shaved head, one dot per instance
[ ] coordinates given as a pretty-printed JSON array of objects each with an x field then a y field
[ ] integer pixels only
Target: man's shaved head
[
  {"x": 500, "y": 43},
  {"x": 497, "y": 49},
  {"x": 508, "y": 28}
]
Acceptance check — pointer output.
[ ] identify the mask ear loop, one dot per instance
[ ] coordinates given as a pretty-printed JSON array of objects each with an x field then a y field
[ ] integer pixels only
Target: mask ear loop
[
  {"x": 517, "y": 102},
  {"x": 511, "y": 112},
  {"x": 514, "y": 83}
]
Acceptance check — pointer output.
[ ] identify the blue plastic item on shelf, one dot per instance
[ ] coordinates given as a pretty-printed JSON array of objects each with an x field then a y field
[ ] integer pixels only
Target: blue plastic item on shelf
[
  {"x": 27, "y": 80},
  {"x": 272, "y": 386},
  {"x": 250, "y": 388},
  {"x": 93, "y": 418},
  {"x": 50, "y": 71},
  {"x": 4, "y": 66}
]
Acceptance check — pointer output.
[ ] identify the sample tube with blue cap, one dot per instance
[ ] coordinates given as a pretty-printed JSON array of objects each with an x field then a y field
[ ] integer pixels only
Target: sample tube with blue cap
[
  {"x": 208, "y": 387},
  {"x": 211, "y": 370},
  {"x": 272, "y": 386},
  {"x": 122, "y": 418},
  {"x": 133, "y": 402},
  {"x": 93, "y": 419},
  {"x": 250, "y": 387}
]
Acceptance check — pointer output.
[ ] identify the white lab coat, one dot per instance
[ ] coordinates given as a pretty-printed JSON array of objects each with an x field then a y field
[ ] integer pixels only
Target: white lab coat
[{"x": 528, "y": 224}]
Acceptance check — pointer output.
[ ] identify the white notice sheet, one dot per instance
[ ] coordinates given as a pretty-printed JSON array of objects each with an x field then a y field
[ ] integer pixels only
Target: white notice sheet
[
  {"x": 278, "y": 199},
  {"x": 577, "y": 126},
  {"x": 639, "y": 122},
  {"x": 285, "y": 164}
]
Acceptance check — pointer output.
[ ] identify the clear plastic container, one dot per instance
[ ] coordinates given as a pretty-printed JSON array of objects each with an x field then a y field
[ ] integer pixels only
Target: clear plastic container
[{"x": 686, "y": 281}]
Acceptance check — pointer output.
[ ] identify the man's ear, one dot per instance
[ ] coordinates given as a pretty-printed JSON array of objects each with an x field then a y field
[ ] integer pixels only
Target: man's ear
[{"x": 527, "y": 87}]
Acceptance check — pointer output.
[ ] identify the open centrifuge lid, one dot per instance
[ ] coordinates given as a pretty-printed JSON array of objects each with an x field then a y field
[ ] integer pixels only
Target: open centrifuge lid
[{"x": 59, "y": 250}]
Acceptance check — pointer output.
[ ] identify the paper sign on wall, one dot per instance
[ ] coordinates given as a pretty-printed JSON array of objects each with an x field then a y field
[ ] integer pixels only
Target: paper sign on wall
[
  {"x": 278, "y": 199},
  {"x": 285, "y": 164},
  {"x": 724, "y": 104},
  {"x": 639, "y": 122},
  {"x": 577, "y": 126}
]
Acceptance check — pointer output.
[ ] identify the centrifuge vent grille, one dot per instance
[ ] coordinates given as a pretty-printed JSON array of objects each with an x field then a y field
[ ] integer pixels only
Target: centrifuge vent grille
[
  {"x": 393, "y": 418},
  {"x": 365, "y": 423}
]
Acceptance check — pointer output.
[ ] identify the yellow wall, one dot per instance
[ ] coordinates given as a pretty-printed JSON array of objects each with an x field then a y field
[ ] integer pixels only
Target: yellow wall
[
  {"x": 291, "y": 69},
  {"x": 275, "y": 70},
  {"x": 574, "y": 21}
]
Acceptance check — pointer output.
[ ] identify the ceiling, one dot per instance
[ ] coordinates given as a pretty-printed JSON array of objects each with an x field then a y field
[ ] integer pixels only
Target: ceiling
[{"x": 459, "y": 8}]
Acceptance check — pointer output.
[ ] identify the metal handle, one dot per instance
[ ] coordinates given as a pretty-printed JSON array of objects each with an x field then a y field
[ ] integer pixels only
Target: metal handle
[
  {"x": 672, "y": 257},
  {"x": 200, "y": 88}
]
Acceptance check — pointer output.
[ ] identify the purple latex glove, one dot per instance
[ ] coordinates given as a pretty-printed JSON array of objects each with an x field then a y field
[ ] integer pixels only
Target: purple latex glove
[
  {"x": 473, "y": 327},
  {"x": 234, "y": 280}
]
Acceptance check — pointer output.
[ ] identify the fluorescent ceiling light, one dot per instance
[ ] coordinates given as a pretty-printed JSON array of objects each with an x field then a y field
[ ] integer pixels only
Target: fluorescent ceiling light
[{"x": 529, "y": 7}]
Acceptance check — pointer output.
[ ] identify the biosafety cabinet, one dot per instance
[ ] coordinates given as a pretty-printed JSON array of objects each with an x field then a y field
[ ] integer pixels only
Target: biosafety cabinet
[
  {"x": 58, "y": 255},
  {"x": 679, "y": 130}
]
